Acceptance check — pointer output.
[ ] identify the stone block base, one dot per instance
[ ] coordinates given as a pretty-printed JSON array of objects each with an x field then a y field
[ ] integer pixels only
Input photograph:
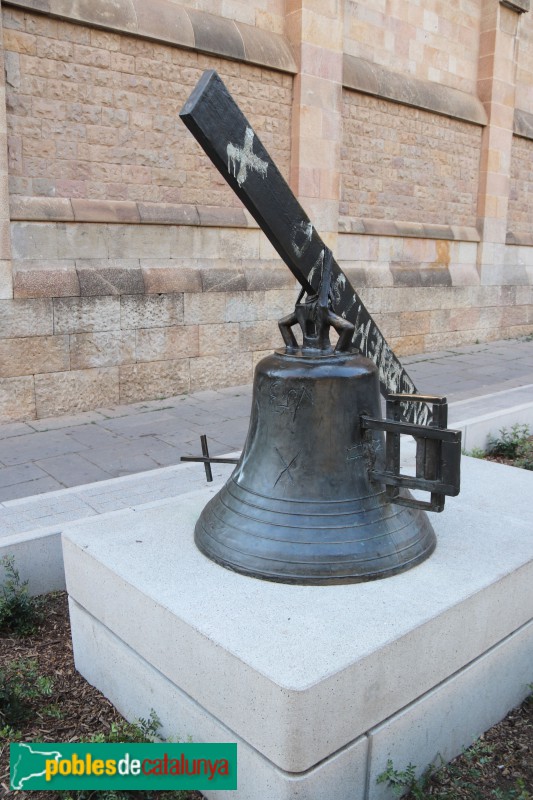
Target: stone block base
[{"x": 319, "y": 686}]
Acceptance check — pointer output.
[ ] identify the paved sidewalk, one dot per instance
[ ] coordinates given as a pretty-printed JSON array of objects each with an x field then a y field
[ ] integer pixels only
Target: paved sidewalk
[{"x": 50, "y": 454}]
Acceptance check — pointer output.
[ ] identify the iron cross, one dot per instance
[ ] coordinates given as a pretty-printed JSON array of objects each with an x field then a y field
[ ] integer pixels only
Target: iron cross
[{"x": 220, "y": 127}]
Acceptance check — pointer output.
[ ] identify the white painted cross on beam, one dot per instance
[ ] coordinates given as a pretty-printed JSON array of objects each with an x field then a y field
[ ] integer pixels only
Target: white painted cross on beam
[{"x": 246, "y": 158}]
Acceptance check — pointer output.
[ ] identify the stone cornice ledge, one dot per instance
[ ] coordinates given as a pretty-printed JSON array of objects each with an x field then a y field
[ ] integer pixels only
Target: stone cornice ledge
[
  {"x": 165, "y": 21},
  {"x": 418, "y": 230},
  {"x": 95, "y": 277},
  {"x": 64, "y": 209},
  {"x": 516, "y": 5},
  {"x": 523, "y": 124},
  {"x": 519, "y": 239},
  {"x": 364, "y": 76}
]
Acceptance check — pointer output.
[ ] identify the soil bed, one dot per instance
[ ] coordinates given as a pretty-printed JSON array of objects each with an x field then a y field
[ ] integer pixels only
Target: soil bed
[{"x": 75, "y": 710}]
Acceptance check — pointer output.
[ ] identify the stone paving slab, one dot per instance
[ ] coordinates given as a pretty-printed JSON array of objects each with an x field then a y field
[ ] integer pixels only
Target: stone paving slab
[
  {"x": 69, "y": 469},
  {"x": 38, "y": 486},
  {"x": 40, "y": 456},
  {"x": 25, "y": 515}
]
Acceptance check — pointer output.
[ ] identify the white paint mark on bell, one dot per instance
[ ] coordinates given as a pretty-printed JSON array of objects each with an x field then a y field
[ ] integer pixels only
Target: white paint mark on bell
[{"x": 246, "y": 157}]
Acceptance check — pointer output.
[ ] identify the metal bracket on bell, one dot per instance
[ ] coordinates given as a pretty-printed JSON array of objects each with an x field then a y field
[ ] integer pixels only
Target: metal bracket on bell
[{"x": 438, "y": 452}]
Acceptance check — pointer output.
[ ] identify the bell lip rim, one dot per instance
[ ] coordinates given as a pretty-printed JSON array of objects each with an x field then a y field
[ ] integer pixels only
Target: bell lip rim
[
  {"x": 319, "y": 355},
  {"x": 295, "y": 580}
]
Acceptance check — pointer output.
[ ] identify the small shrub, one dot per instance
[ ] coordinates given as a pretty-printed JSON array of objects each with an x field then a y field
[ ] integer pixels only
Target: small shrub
[
  {"x": 509, "y": 441},
  {"x": 20, "y": 614},
  {"x": 524, "y": 455},
  {"x": 53, "y": 710},
  {"x": 143, "y": 730},
  {"x": 405, "y": 781},
  {"x": 9, "y": 734},
  {"x": 20, "y": 686},
  {"x": 476, "y": 452}
]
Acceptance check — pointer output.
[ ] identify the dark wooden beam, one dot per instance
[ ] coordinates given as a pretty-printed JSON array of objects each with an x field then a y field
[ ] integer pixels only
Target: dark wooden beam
[{"x": 229, "y": 140}]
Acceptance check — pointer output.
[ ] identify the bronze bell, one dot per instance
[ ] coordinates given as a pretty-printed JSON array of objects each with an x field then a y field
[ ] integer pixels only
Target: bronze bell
[{"x": 303, "y": 505}]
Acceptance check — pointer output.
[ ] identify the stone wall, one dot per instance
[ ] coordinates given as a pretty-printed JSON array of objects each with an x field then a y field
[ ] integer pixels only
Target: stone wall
[
  {"x": 6, "y": 272},
  {"x": 425, "y": 294},
  {"x": 401, "y": 163},
  {"x": 520, "y": 219},
  {"x": 434, "y": 40},
  {"x": 93, "y": 114},
  {"x": 524, "y": 72},
  {"x": 69, "y": 354}
]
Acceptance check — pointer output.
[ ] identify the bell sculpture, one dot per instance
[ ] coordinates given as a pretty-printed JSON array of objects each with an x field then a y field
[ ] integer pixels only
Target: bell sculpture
[
  {"x": 317, "y": 495},
  {"x": 301, "y": 505}
]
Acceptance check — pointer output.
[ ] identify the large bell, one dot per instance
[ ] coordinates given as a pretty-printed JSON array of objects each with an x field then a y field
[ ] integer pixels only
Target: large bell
[{"x": 300, "y": 506}]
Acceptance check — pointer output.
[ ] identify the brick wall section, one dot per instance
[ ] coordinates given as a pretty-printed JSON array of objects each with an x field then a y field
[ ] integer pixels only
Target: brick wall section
[
  {"x": 6, "y": 269},
  {"x": 524, "y": 72},
  {"x": 519, "y": 220},
  {"x": 400, "y": 163},
  {"x": 69, "y": 354},
  {"x": 435, "y": 39},
  {"x": 93, "y": 114},
  {"x": 462, "y": 316}
]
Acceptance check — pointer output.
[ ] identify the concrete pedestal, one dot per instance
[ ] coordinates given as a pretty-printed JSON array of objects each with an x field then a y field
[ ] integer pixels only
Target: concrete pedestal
[{"x": 319, "y": 686}]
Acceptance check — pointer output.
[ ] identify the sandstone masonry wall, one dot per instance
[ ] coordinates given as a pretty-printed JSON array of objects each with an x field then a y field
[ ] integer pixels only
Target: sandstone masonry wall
[
  {"x": 401, "y": 163},
  {"x": 436, "y": 40},
  {"x": 93, "y": 114},
  {"x": 524, "y": 72},
  {"x": 520, "y": 220}
]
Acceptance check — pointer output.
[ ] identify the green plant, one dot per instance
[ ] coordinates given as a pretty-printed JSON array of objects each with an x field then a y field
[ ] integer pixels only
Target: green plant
[
  {"x": 20, "y": 685},
  {"x": 509, "y": 441},
  {"x": 20, "y": 614},
  {"x": 524, "y": 454},
  {"x": 479, "y": 753},
  {"x": 53, "y": 710},
  {"x": 454, "y": 780},
  {"x": 476, "y": 452},
  {"x": 112, "y": 794},
  {"x": 405, "y": 781},
  {"x": 9, "y": 734},
  {"x": 517, "y": 792},
  {"x": 143, "y": 730}
]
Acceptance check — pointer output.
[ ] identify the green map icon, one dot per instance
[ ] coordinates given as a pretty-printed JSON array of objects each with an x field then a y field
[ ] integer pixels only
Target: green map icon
[{"x": 29, "y": 764}]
